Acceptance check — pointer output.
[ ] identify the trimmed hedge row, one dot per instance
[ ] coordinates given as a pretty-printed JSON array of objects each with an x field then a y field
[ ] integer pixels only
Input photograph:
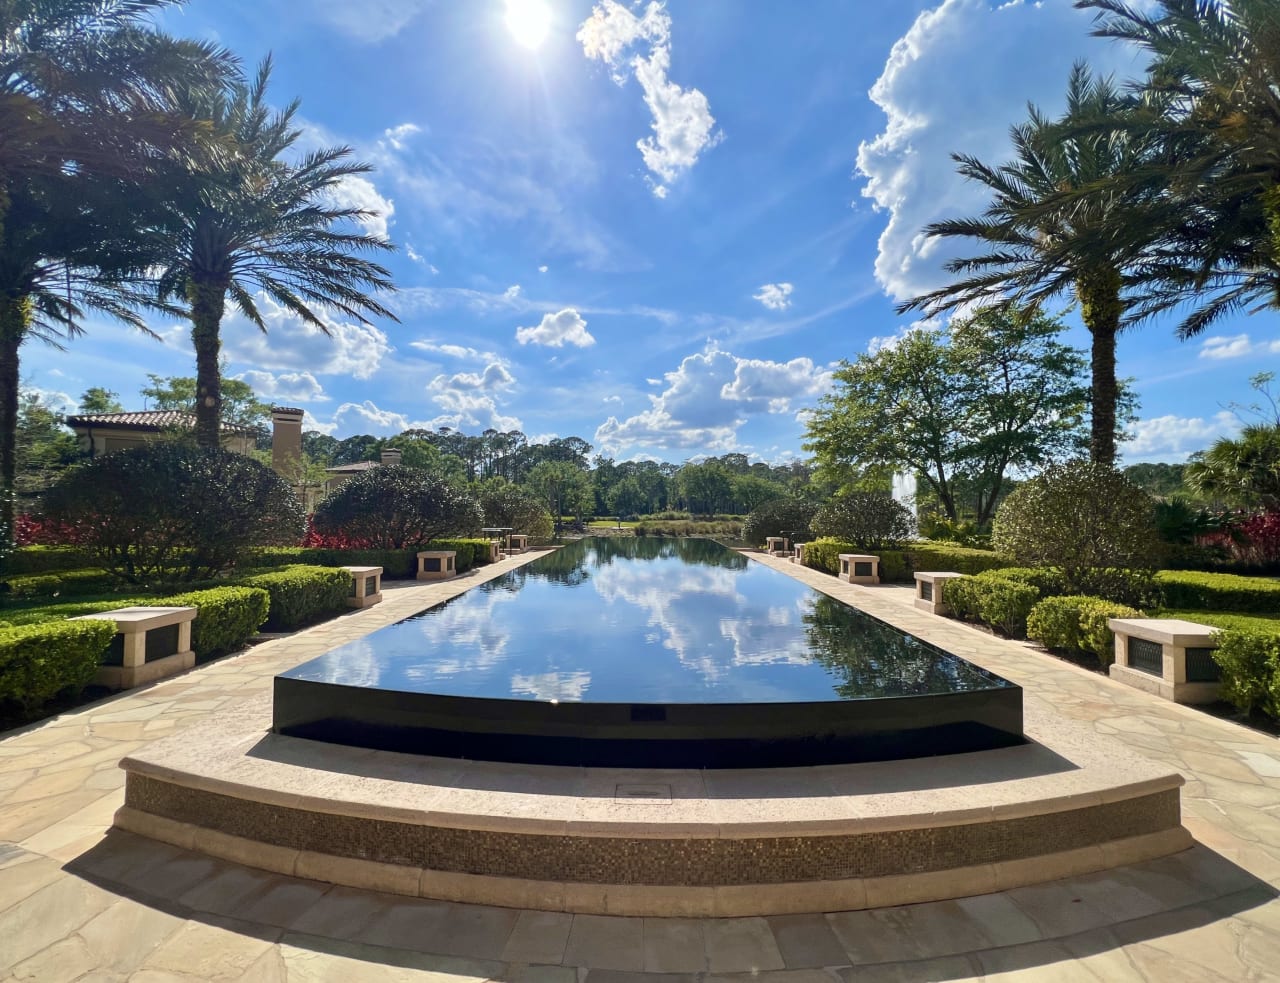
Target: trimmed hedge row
[
  {"x": 1219, "y": 591},
  {"x": 396, "y": 564},
  {"x": 1250, "y": 662},
  {"x": 43, "y": 559},
  {"x": 1078, "y": 623},
  {"x": 301, "y": 595},
  {"x": 824, "y": 554},
  {"x": 37, "y": 662},
  {"x": 1001, "y": 602},
  {"x": 67, "y": 583},
  {"x": 226, "y": 617},
  {"x": 899, "y": 566}
]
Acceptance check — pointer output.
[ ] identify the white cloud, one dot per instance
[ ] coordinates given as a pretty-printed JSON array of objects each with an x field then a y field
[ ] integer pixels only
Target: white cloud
[
  {"x": 300, "y": 387},
  {"x": 1222, "y": 347},
  {"x": 453, "y": 351},
  {"x": 470, "y": 399},
  {"x": 370, "y": 20},
  {"x": 775, "y": 296},
  {"x": 53, "y": 399},
  {"x": 557, "y": 330},
  {"x": 1170, "y": 438},
  {"x": 708, "y": 397},
  {"x": 512, "y": 292},
  {"x": 945, "y": 89},
  {"x": 365, "y": 417},
  {"x": 683, "y": 126},
  {"x": 290, "y": 343},
  {"x": 877, "y": 343},
  {"x": 494, "y": 377},
  {"x": 355, "y": 191},
  {"x": 542, "y": 269},
  {"x": 613, "y": 399},
  {"x": 397, "y": 136}
]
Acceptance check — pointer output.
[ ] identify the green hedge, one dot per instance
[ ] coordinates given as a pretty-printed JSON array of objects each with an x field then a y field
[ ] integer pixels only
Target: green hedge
[
  {"x": 226, "y": 617},
  {"x": 66, "y": 583},
  {"x": 1077, "y": 623},
  {"x": 1268, "y": 624},
  {"x": 676, "y": 528},
  {"x": 999, "y": 602},
  {"x": 824, "y": 554},
  {"x": 301, "y": 595},
  {"x": 43, "y": 559},
  {"x": 1218, "y": 591},
  {"x": 1250, "y": 662},
  {"x": 37, "y": 662},
  {"x": 396, "y": 564},
  {"x": 950, "y": 557}
]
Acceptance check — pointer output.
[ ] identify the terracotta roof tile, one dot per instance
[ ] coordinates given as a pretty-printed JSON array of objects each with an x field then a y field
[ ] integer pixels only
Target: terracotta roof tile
[{"x": 147, "y": 420}]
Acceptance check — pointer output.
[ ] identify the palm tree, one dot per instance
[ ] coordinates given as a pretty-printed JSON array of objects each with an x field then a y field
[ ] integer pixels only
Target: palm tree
[
  {"x": 1243, "y": 471},
  {"x": 1039, "y": 249},
  {"x": 83, "y": 91},
  {"x": 1215, "y": 71},
  {"x": 253, "y": 221}
]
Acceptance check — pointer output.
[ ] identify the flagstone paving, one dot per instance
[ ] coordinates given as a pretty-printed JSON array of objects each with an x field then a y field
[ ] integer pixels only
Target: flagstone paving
[{"x": 79, "y": 901}]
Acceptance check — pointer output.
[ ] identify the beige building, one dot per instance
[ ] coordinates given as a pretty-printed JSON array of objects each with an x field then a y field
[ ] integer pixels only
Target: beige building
[{"x": 102, "y": 433}]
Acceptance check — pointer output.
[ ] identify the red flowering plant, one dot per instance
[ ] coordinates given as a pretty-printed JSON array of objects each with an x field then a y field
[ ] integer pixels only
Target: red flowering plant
[
  {"x": 38, "y": 530},
  {"x": 1261, "y": 546}
]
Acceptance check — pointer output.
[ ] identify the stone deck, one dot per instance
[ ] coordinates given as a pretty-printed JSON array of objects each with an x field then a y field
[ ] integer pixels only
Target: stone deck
[{"x": 80, "y": 901}]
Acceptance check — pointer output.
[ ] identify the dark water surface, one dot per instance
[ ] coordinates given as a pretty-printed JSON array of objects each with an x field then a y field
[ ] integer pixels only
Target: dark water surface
[{"x": 647, "y": 620}]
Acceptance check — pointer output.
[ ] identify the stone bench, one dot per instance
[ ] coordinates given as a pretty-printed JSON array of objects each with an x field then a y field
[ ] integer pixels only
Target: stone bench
[
  {"x": 798, "y": 555},
  {"x": 930, "y": 588},
  {"x": 366, "y": 586},
  {"x": 776, "y": 546},
  {"x": 1168, "y": 657},
  {"x": 495, "y": 550},
  {"x": 150, "y": 644},
  {"x": 519, "y": 543},
  {"x": 859, "y": 568},
  {"x": 437, "y": 564}
]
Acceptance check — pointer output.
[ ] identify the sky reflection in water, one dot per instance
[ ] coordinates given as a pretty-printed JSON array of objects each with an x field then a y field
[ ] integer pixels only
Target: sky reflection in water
[{"x": 646, "y": 621}]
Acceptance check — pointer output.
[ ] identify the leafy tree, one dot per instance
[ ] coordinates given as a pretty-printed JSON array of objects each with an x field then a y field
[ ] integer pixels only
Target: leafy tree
[
  {"x": 170, "y": 512},
  {"x": 1242, "y": 471},
  {"x": 45, "y": 448},
  {"x": 1158, "y": 480},
  {"x": 1087, "y": 520},
  {"x": 704, "y": 488},
  {"x": 84, "y": 111},
  {"x": 786, "y": 516},
  {"x": 504, "y": 504},
  {"x": 250, "y": 219},
  {"x": 240, "y": 404},
  {"x": 563, "y": 486},
  {"x": 1040, "y": 247},
  {"x": 319, "y": 447},
  {"x": 749, "y": 491},
  {"x": 98, "y": 400},
  {"x": 866, "y": 519},
  {"x": 627, "y": 497},
  {"x": 997, "y": 394},
  {"x": 394, "y": 507}
]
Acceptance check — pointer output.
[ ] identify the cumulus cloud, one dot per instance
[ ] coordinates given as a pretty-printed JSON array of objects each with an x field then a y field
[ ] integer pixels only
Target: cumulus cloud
[
  {"x": 366, "y": 417},
  {"x": 300, "y": 387},
  {"x": 775, "y": 296},
  {"x": 359, "y": 192},
  {"x": 1174, "y": 437},
  {"x": 495, "y": 376},
  {"x": 557, "y": 330},
  {"x": 708, "y": 397},
  {"x": 53, "y": 399},
  {"x": 1220, "y": 347},
  {"x": 470, "y": 399},
  {"x": 944, "y": 89},
  {"x": 396, "y": 137},
  {"x": 683, "y": 126},
  {"x": 292, "y": 344},
  {"x": 453, "y": 351}
]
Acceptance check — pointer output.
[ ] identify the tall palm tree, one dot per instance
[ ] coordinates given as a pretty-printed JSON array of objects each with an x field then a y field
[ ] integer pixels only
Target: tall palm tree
[
  {"x": 252, "y": 220},
  {"x": 83, "y": 90},
  {"x": 1215, "y": 70},
  {"x": 1039, "y": 249}
]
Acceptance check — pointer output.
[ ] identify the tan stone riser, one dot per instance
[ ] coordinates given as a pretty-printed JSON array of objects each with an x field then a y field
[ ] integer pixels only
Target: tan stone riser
[{"x": 691, "y": 875}]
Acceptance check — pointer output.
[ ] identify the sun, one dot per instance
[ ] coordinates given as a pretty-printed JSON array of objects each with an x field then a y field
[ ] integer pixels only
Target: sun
[{"x": 528, "y": 21}]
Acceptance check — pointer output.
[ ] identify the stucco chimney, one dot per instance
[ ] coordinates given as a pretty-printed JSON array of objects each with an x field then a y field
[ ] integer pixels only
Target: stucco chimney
[
  {"x": 286, "y": 440},
  {"x": 390, "y": 455}
]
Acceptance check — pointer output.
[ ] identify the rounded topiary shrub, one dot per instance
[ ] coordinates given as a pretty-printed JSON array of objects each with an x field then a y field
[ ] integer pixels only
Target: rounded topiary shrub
[
  {"x": 504, "y": 504},
  {"x": 1090, "y": 522},
  {"x": 790, "y": 517},
  {"x": 866, "y": 519},
  {"x": 394, "y": 507},
  {"x": 170, "y": 512}
]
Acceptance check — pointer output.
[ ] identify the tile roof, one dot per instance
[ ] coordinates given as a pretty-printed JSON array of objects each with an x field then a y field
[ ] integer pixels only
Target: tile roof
[
  {"x": 147, "y": 420},
  {"x": 355, "y": 466}
]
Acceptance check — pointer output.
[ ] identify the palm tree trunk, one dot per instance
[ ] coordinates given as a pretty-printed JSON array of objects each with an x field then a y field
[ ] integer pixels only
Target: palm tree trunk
[
  {"x": 1100, "y": 309},
  {"x": 207, "y": 299},
  {"x": 15, "y": 318}
]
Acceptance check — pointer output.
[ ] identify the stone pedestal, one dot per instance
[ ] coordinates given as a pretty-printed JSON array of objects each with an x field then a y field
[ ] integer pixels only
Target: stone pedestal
[
  {"x": 1168, "y": 657},
  {"x": 798, "y": 555},
  {"x": 519, "y": 543},
  {"x": 437, "y": 564},
  {"x": 495, "y": 550},
  {"x": 859, "y": 568},
  {"x": 929, "y": 590},
  {"x": 776, "y": 546},
  {"x": 150, "y": 644},
  {"x": 366, "y": 586}
]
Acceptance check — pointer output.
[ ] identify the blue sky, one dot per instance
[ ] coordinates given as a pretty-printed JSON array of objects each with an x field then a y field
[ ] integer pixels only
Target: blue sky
[{"x": 659, "y": 227}]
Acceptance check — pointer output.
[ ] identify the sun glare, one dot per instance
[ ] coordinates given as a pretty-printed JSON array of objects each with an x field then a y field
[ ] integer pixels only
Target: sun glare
[{"x": 528, "y": 21}]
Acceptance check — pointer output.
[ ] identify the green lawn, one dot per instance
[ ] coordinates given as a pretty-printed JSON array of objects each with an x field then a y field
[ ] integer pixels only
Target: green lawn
[{"x": 1219, "y": 619}]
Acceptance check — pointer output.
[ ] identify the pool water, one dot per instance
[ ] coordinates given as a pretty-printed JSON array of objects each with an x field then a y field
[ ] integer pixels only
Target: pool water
[{"x": 677, "y": 651}]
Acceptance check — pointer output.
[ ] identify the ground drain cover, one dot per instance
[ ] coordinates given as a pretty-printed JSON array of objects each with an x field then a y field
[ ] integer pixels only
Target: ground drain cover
[{"x": 646, "y": 793}]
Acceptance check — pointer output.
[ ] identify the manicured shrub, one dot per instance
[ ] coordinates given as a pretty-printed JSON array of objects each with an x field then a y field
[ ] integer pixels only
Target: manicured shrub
[
  {"x": 940, "y": 557},
  {"x": 46, "y": 559},
  {"x": 1087, "y": 520},
  {"x": 1001, "y": 603},
  {"x": 786, "y": 516},
  {"x": 1218, "y": 591},
  {"x": 824, "y": 554},
  {"x": 1047, "y": 581},
  {"x": 688, "y": 527},
  {"x": 68, "y": 583},
  {"x": 396, "y": 507},
  {"x": 169, "y": 512},
  {"x": 37, "y": 662},
  {"x": 301, "y": 594},
  {"x": 1250, "y": 662},
  {"x": 226, "y": 618},
  {"x": 1268, "y": 624},
  {"x": 505, "y": 504},
  {"x": 1077, "y": 623},
  {"x": 869, "y": 520}
]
